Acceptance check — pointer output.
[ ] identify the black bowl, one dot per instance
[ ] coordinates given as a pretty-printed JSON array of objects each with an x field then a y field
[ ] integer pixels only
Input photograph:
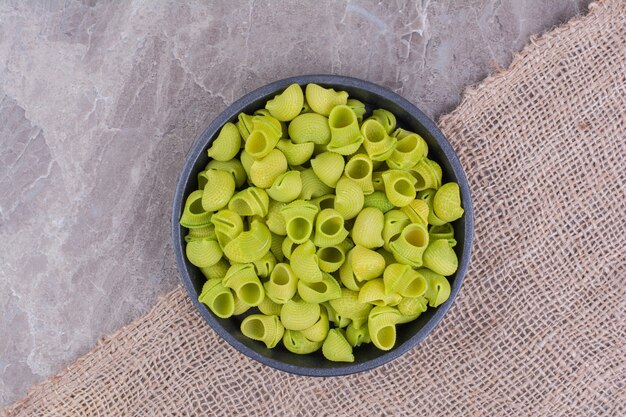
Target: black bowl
[{"x": 367, "y": 356}]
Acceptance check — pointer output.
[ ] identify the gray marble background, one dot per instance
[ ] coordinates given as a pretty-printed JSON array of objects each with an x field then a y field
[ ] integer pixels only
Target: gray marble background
[{"x": 100, "y": 102}]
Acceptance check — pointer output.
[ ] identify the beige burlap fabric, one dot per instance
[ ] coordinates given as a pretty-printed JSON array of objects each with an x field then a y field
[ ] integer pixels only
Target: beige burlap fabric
[{"x": 539, "y": 327}]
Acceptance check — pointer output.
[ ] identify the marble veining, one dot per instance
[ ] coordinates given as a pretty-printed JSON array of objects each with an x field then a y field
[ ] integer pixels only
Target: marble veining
[{"x": 100, "y": 101}]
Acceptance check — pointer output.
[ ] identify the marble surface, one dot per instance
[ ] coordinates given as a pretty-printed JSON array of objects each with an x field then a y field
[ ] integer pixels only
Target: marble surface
[{"x": 100, "y": 102}]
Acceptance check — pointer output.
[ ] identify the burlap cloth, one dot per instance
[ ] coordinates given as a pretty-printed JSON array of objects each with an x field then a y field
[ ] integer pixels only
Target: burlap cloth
[{"x": 539, "y": 327}]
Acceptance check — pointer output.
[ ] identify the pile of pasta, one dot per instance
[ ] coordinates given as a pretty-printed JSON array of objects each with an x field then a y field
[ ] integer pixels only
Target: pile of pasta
[{"x": 325, "y": 227}]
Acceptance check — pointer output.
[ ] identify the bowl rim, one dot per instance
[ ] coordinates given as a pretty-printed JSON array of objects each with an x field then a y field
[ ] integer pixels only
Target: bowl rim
[{"x": 338, "y": 81}]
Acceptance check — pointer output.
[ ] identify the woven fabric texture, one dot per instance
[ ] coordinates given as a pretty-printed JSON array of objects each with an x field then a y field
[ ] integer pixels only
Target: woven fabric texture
[{"x": 540, "y": 325}]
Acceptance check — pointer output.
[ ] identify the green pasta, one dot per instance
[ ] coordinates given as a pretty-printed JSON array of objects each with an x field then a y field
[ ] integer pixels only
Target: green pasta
[
  {"x": 399, "y": 187},
  {"x": 323, "y": 100},
  {"x": 296, "y": 153},
  {"x": 381, "y": 325},
  {"x": 250, "y": 202},
  {"x": 323, "y": 225},
  {"x": 409, "y": 248},
  {"x": 328, "y": 166},
  {"x": 299, "y": 220},
  {"x": 345, "y": 136},
  {"x": 318, "y": 292},
  {"x": 267, "y": 329},
  {"x": 242, "y": 279},
  {"x": 217, "y": 298},
  {"x": 227, "y": 144},
  {"x": 264, "y": 171},
  {"x": 282, "y": 285},
  {"x": 336, "y": 348},
  {"x": 359, "y": 169},
  {"x": 368, "y": 228},
  {"x": 329, "y": 228},
  {"x": 219, "y": 190},
  {"x": 194, "y": 215},
  {"x": 298, "y": 314},
  {"x": 287, "y": 105},
  {"x": 376, "y": 140},
  {"x": 297, "y": 343}
]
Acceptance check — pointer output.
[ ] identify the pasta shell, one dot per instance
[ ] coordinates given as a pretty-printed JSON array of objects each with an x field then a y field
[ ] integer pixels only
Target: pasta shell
[
  {"x": 319, "y": 292},
  {"x": 387, "y": 256},
  {"x": 324, "y": 202},
  {"x": 417, "y": 211},
  {"x": 386, "y": 119},
  {"x": 219, "y": 190},
  {"x": 427, "y": 196},
  {"x": 244, "y": 125},
  {"x": 228, "y": 225},
  {"x": 395, "y": 222},
  {"x": 295, "y": 342},
  {"x": 194, "y": 215},
  {"x": 440, "y": 258},
  {"x": 330, "y": 258},
  {"x": 200, "y": 233},
  {"x": 357, "y": 107},
  {"x": 447, "y": 202},
  {"x": 438, "y": 287},
  {"x": 373, "y": 292},
  {"x": 246, "y": 162},
  {"x": 328, "y": 167},
  {"x": 379, "y": 200},
  {"x": 264, "y": 171},
  {"x": 408, "y": 151},
  {"x": 345, "y": 136},
  {"x": 329, "y": 229},
  {"x": 265, "y": 265},
  {"x": 368, "y": 228},
  {"x": 242, "y": 279},
  {"x": 359, "y": 169},
  {"x": 319, "y": 331},
  {"x": 445, "y": 231},
  {"x": 349, "y": 198},
  {"x": 299, "y": 220},
  {"x": 217, "y": 271},
  {"x": 336, "y": 348},
  {"x": 268, "y": 307},
  {"x": 233, "y": 166},
  {"x": 287, "y": 105},
  {"x": 297, "y": 314},
  {"x": 266, "y": 329},
  {"x": 227, "y": 144},
  {"x": 250, "y": 202},
  {"x": 349, "y": 306},
  {"x": 346, "y": 274},
  {"x": 404, "y": 280},
  {"x": 323, "y": 100},
  {"x": 377, "y": 181},
  {"x": 411, "y": 306},
  {"x": 378, "y": 144},
  {"x": 217, "y": 298},
  {"x": 305, "y": 264},
  {"x": 399, "y": 187},
  {"x": 356, "y": 337},
  {"x": 427, "y": 174},
  {"x": 312, "y": 186},
  {"x": 259, "y": 144},
  {"x": 287, "y": 247},
  {"x": 382, "y": 327},
  {"x": 411, "y": 245},
  {"x": 274, "y": 219},
  {"x": 310, "y": 127},
  {"x": 203, "y": 253},
  {"x": 296, "y": 153},
  {"x": 282, "y": 285},
  {"x": 366, "y": 263},
  {"x": 249, "y": 245},
  {"x": 287, "y": 187}
]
